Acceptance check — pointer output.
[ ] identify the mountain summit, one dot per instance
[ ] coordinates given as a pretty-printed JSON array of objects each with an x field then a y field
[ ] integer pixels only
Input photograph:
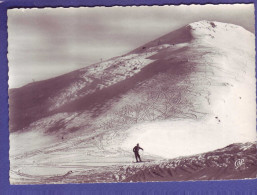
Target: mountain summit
[{"x": 187, "y": 92}]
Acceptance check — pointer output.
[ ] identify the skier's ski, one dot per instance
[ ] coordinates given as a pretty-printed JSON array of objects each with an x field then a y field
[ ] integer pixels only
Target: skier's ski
[{"x": 141, "y": 161}]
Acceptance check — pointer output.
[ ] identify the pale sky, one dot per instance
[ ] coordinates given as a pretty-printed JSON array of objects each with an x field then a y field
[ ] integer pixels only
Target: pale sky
[{"x": 44, "y": 43}]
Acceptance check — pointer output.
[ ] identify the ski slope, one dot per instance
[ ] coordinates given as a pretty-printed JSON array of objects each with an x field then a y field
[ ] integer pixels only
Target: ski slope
[{"x": 188, "y": 92}]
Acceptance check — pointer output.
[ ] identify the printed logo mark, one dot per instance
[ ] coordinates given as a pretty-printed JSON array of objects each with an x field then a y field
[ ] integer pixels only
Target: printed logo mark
[{"x": 239, "y": 163}]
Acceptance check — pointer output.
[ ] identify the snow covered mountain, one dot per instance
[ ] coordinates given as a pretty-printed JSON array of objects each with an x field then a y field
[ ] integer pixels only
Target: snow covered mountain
[{"x": 187, "y": 92}]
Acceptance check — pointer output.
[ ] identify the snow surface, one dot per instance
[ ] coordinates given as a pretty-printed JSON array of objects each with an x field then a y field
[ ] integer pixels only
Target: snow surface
[
  {"x": 107, "y": 73},
  {"x": 211, "y": 106},
  {"x": 235, "y": 106}
]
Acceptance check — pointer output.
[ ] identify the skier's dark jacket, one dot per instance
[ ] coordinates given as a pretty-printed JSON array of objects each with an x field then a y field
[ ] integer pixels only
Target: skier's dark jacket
[{"x": 136, "y": 149}]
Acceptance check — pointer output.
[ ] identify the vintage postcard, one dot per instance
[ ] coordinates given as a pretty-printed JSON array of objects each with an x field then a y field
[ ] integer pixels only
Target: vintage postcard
[{"x": 132, "y": 94}]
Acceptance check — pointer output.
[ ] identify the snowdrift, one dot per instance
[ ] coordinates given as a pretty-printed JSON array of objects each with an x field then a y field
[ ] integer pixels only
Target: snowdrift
[{"x": 236, "y": 161}]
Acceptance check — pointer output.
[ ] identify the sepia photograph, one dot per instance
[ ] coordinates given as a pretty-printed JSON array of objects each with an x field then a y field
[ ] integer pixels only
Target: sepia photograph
[{"x": 132, "y": 94}]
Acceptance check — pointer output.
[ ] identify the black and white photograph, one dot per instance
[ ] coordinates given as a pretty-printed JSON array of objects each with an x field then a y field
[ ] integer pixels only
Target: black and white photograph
[{"x": 132, "y": 94}]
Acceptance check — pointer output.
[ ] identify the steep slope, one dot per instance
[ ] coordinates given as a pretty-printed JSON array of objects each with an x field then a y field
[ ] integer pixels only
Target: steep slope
[
  {"x": 91, "y": 88},
  {"x": 190, "y": 91}
]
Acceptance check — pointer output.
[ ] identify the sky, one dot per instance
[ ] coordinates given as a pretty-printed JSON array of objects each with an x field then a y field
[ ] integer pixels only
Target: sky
[{"x": 45, "y": 43}]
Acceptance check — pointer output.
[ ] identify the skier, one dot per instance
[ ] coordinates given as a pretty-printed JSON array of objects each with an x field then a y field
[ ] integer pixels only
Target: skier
[{"x": 136, "y": 151}]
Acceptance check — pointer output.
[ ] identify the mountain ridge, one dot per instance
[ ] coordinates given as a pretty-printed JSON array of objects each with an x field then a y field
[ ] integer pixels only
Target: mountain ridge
[{"x": 45, "y": 92}]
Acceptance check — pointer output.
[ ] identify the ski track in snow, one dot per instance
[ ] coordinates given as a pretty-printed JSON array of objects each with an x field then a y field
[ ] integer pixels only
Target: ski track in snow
[{"x": 106, "y": 73}]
